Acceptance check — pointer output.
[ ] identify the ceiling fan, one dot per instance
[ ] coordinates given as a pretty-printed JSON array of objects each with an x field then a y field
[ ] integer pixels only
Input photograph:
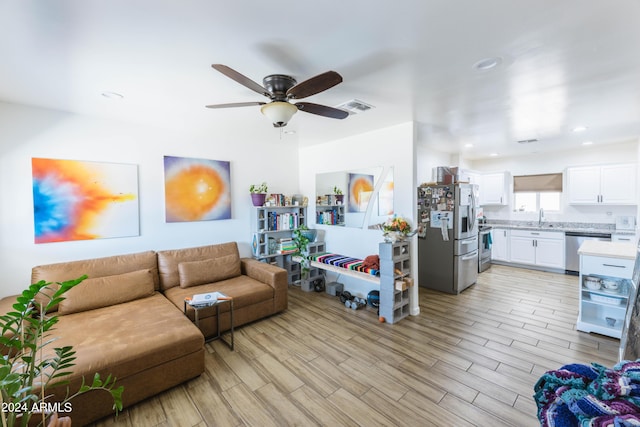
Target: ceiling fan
[{"x": 281, "y": 89}]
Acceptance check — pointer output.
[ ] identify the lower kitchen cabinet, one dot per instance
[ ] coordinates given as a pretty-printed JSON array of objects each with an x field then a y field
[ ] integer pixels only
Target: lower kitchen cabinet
[
  {"x": 605, "y": 286},
  {"x": 500, "y": 244},
  {"x": 539, "y": 248}
]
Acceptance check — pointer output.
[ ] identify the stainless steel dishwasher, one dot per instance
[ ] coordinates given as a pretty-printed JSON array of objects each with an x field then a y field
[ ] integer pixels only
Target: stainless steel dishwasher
[{"x": 573, "y": 240}]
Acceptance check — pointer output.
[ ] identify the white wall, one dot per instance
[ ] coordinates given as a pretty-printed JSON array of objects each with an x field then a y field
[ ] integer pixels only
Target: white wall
[
  {"x": 536, "y": 163},
  {"x": 427, "y": 159},
  {"x": 30, "y": 132},
  {"x": 389, "y": 147}
]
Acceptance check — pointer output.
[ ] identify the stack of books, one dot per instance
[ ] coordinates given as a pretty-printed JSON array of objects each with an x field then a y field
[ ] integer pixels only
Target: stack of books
[{"x": 286, "y": 246}]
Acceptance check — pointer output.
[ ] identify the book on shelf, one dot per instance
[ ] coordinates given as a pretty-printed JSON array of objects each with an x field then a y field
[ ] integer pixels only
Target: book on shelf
[{"x": 283, "y": 221}]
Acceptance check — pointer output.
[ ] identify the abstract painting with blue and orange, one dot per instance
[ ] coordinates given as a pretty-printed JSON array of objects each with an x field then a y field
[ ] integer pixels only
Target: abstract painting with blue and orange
[
  {"x": 196, "y": 189},
  {"x": 81, "y": 200}
]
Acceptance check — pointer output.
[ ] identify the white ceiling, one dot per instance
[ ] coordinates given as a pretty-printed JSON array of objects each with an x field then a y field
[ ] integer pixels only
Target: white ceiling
[{"x": 565, "y": 63}]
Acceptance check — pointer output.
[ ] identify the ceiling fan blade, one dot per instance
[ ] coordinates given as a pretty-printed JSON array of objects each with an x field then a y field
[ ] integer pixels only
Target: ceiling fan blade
[
  {"x": 243, "y": 80},
  {"x": 322, "y": 110},
  {"x": 235, "y": 104},
  {"x": 314, "y": 85}
]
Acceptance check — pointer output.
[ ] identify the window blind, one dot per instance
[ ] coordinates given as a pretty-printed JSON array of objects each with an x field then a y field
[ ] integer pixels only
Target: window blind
[{"x": 538, "y": 183}]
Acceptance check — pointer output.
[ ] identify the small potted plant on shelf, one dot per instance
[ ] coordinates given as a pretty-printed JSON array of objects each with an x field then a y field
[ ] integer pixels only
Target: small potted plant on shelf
[
  {"x": 258, "y": 193},
  {"x": 339, "y": 196},
  {"x": 27, "y": 371}
]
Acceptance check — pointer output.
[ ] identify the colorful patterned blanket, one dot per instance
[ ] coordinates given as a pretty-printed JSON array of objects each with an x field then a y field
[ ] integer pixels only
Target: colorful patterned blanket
[
  {"x": 590, "y": 396},
  {"x": 344, "y": 262}
]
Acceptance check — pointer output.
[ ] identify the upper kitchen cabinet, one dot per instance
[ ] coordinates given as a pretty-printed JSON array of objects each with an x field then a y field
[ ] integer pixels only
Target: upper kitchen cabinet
[
  {"x": 602, "y": 185},
  {"x": 494, "y": 189}
]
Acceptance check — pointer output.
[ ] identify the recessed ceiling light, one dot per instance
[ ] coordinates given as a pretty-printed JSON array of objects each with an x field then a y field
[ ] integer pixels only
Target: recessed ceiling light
[
  {"x": 487, "y": 63},
  {"x": 579, "y": 129},
  {"x": 587, "y": 143},
  {"x": 493, "y": 154},
  {"x": 112, "y": 95},
  {"x": 468, "y": 145}
]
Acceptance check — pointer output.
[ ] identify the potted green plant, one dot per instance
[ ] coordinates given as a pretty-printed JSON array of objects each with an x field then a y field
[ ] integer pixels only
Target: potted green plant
[
  {"x": 258, "y": 193},
  {"x": 301, "y": 238},
  {"x": 338, "y": 194},
  {"x": 27, "y": 372}
]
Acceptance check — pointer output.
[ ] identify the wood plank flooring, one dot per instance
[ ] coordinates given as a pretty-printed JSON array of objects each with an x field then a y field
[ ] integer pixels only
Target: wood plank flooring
[{"x": 467, "y": 360}]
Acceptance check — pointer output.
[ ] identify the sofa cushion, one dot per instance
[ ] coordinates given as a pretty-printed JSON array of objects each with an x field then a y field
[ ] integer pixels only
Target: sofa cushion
[
  {"x": 194, "y": 273},
  {"x": 168, "y": 260},
  {"x": 105, "y": 291},
  {"x": 128, "y": 338},
  {"x": 244, "y": 290},
  {"x": 96, "y": 267}
]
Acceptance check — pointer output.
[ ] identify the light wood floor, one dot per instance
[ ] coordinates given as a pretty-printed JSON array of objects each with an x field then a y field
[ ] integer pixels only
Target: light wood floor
[{"x": 467, "y": 360}]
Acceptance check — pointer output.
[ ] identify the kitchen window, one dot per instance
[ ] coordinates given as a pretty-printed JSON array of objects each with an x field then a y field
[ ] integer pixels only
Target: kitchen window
[{"x": 535, "y": 192}]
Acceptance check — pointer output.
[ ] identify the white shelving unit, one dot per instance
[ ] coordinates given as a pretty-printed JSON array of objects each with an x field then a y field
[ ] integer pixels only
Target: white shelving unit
[
  {"x": 597, "y": 305},
  {"x": 270, "y": 224},
  {"x": 395, "y": 264}
]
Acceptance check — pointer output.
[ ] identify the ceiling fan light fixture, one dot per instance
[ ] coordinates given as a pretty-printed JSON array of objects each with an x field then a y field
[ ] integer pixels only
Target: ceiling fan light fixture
[{"x": 279, "y": 112}]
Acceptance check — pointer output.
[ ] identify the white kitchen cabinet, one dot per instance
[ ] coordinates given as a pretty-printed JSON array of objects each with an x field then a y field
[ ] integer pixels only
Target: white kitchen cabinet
[
  {"x": 603, "y": 310},
  {"x": 494, "y": 189},
  {"x": 500, "y": 245},
  {"x": 550, "y": 252},
  {"x": 602, "y": 185},
  {"x": 539, "y": 248},
  {"x": 522, "y": 250}
]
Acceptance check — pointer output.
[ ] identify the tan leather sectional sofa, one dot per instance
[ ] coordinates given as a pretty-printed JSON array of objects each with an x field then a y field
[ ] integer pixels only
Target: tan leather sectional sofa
[{"x": 127, "y": 318}]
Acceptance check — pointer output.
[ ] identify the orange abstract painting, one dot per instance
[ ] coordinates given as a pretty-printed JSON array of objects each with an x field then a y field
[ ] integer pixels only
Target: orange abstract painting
[
  {"x": 360, "y": 191},
  {"x": 79, "y": 200},
  {"x": 196, "y": 189}
]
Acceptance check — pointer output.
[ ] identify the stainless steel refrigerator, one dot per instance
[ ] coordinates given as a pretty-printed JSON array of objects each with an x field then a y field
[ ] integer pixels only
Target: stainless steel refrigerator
[
  {"x": 630, "y": 339},
  {"x": 447, "y": 237}
]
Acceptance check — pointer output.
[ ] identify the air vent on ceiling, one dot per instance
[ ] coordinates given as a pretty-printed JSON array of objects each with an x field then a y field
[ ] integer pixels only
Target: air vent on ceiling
[
  {"x": 527, "y": 141},
  {"x": 355, "y": 106}
]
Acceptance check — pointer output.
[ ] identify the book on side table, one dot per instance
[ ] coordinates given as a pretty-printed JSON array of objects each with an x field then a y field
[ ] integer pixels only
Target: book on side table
[{"x": 203, "y": 300}]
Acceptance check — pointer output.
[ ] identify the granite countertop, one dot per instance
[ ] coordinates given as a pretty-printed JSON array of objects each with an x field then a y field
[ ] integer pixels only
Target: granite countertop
[
  {"x": 559, "y": 226},
  {"x": 608, "y": 249}
]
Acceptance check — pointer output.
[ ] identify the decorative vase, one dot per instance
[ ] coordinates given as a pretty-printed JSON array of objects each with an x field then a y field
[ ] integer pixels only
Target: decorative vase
[
  {"x": 393, "y": 236},
  {"x": 340, "y": 199},
  {"x": 258, "y": 199},
  {"x": 310, "y": 234}
]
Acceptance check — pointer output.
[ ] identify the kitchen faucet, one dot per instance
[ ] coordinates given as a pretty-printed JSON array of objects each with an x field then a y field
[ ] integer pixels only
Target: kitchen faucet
[{"x": 540, "y": 217}]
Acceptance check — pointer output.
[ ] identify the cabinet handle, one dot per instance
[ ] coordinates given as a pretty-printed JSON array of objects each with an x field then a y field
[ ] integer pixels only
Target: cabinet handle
[
  {"x": 535, "y": 234},
  {"x": 613, "y": 265}
]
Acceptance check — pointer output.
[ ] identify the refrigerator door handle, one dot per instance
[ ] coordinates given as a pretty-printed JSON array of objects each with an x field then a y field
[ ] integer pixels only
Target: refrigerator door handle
[
  {"x": 473, "y": 255},
  {"x": 472, "y": 211}
]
